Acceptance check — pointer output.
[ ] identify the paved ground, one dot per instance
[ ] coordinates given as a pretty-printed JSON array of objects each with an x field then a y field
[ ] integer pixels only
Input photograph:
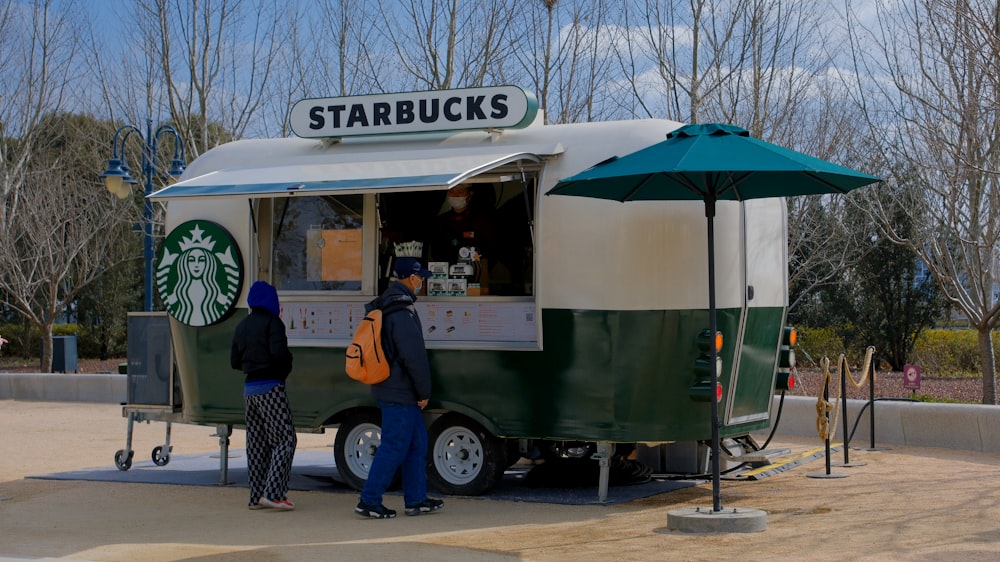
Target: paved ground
[{"x": 904, "y": 504}]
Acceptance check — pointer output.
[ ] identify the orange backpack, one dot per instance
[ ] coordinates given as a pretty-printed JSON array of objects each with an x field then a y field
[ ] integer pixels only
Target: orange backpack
[{"x": 366, "y": 361}]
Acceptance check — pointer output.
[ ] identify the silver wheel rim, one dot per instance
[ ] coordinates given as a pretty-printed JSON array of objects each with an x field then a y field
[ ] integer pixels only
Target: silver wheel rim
[
  {"x": 359, "y": 448},
  {"x": 458, "y": 455}
]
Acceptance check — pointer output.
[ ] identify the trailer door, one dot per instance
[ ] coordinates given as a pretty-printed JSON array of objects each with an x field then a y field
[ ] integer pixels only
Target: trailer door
[{"x": 764, "y": 303}]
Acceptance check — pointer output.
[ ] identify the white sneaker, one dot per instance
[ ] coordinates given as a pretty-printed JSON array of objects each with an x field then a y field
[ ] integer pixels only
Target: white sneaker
[{"x": 284, "y": 505}]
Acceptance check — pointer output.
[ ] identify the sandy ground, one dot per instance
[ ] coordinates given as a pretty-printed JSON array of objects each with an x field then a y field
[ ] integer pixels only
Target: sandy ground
[{"x": 904, "y": 504}]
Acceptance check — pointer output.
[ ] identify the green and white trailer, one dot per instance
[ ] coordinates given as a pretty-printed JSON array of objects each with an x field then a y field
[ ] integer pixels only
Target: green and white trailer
[{"x": 587, "y": 330}]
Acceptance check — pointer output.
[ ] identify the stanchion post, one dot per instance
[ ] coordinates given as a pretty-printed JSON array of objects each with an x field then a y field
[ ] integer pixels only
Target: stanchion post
[
  {"x": 826, "y": 398},
  {"x": 828, "y": 473},
  {"x": 843, "y": 412},
  {"x": 871, "y": 406}
]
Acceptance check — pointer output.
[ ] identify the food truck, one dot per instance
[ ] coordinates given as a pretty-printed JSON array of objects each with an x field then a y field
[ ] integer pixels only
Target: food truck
[{"x": 558, "y": 320}]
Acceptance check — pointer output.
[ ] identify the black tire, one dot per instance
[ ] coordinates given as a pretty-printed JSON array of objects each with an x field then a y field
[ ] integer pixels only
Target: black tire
[
  {"x": 159, "y": 458},
  {"x": 123, "y": 461},
  {"x": 463, "y": 458},
  {"x": 358, "y": 437}
]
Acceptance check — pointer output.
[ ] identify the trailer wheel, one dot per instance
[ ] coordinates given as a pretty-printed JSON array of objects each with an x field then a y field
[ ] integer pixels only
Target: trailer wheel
[
  {"x": 123, "y": 461},
  {"x": 358, "y": 437},
  {"x": 465, "y": 459},
  {"x": 159, "y": 458}
]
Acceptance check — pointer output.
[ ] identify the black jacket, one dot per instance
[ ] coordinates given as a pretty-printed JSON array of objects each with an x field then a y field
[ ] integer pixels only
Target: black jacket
[
  {"x": 260, "y": 347},
  {"x": 403, "y": 342}
]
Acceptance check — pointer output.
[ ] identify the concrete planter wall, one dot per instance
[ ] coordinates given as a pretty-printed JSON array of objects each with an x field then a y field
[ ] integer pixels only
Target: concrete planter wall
[
  {"x": 970, "y": 427},
  {"x": 57, "y": 387}
]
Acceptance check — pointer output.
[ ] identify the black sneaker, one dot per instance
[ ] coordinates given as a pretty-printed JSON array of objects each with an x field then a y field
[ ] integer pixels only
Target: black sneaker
[
  {"x": 374, "y": 511},
  {"x": 426, "y": 506}
]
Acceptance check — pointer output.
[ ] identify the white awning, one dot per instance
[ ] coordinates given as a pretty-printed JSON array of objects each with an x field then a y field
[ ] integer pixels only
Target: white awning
[{"x": 348, "y": 177}]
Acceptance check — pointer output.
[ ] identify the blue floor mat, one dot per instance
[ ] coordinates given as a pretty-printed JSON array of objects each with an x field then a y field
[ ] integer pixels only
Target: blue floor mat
[{"x": 316, "y": 471}]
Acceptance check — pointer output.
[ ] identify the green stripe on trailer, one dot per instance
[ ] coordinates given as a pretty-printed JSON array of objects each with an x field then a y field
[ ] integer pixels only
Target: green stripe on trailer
[{"x": 619, "y": 376}]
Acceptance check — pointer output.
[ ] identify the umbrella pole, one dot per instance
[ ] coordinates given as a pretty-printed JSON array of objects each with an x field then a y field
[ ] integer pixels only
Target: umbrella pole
[{"x": 712, "y": 326}]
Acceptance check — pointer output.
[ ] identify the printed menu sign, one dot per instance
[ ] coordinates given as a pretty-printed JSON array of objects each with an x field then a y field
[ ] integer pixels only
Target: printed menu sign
[{"x": 466, "y": 322}]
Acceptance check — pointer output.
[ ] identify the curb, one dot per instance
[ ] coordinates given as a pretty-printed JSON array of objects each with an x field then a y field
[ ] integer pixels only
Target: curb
[{"x": 56, "y": 387}]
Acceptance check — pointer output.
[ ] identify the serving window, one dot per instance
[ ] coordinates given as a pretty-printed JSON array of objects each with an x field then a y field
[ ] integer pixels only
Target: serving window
[
  {"x": 318, "y": 243},
  {"x": 329, "y": 255},
  {"x": 483, "y": 248}
]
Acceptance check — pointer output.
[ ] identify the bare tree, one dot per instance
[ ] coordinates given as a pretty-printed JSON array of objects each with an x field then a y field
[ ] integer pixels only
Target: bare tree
[
  {"x": 326, "y": 52},
  {"x": 757, "y": 63},
  {"x": 770, "y": 79},
  {"x": 56, "y": 240},
  {"x": 928, "y": 87},
  {"x": 678, "y": 56},
  {"x": 441, "y": 44},
  {"x": 564, "y": 56},
  {"x": 39, "y": 43},
  {"x": 52, "y": 237},
  {"x": 204, "y": 65}
]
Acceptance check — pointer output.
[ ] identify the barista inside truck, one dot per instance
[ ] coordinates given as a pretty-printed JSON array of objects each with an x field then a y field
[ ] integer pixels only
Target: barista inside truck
[{"x": 464, "y": 225}]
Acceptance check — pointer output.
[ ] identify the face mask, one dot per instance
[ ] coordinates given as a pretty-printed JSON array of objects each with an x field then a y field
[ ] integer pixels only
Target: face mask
[
  {"x": 458, "y": 203},
  {"x": 418, "y": 287}
]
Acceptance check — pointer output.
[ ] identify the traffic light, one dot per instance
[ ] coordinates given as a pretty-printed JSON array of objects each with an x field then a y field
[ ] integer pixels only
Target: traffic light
[
  {"x": 701, "y": 390},
  {"x": 785, "y": 378}
]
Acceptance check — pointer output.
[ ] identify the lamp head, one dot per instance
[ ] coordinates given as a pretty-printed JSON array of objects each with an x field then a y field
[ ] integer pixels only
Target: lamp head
[
  {"x": 177, "y": 168},
  {"x": 128, "y": 175},
  {"x": 116, "y": 178}
]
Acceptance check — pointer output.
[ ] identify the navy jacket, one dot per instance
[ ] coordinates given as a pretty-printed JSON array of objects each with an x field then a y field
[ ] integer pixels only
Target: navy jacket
[{"x": 403, "y": 342}]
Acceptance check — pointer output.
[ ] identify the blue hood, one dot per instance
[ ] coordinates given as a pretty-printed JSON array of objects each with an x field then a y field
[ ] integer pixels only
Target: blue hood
[{"x": 263, "y": 295}]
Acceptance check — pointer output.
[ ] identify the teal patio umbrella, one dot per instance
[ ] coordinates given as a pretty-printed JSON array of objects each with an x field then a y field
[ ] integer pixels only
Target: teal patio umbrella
[{"x": 711, "y": 162}]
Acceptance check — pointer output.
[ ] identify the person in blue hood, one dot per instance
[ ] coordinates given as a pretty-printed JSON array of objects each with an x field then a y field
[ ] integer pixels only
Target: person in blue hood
[
  {"x": 401, "y": 398},
  {"x": 260, "y": 350}
]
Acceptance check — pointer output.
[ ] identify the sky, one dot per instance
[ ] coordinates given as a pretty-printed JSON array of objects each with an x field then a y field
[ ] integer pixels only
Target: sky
[{"x": 111, "y": 16}]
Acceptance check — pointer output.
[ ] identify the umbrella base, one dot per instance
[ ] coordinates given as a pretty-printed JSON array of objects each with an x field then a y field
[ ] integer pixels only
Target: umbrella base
[{"x": 705, "y": 520}]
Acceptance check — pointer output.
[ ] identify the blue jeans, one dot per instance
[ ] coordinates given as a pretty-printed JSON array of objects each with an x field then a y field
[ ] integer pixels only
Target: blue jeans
[{"x": 404, "y": 444}]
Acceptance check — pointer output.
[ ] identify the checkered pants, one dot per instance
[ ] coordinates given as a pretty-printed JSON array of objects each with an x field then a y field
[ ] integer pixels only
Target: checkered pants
[{"x": 271, "y": 444}]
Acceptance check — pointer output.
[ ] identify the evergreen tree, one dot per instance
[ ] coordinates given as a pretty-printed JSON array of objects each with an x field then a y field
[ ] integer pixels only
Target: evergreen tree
[{"x": 893, "y": 297}]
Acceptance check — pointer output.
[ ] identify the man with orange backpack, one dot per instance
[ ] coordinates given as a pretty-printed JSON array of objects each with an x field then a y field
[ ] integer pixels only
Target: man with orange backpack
[{"x": 401, "y": 397}]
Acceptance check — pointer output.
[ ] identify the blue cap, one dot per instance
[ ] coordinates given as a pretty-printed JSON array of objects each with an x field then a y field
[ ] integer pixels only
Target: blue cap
[{"x": 405, "y": 267}]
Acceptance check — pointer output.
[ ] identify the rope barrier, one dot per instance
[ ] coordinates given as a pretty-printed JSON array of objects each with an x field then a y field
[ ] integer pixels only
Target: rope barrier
[
  {"x": 824, "y": 406},
  {"x": 865, "y": 369}
]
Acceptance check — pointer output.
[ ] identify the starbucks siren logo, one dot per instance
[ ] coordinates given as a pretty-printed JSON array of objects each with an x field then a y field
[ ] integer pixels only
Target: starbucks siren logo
[{"x": 199, "y": 273}]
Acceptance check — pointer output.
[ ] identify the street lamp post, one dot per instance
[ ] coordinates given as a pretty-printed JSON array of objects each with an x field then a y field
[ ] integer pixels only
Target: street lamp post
[{"x": 118, "y": 181}]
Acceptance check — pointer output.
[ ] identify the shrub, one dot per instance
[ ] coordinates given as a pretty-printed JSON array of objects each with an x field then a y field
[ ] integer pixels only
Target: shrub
[
  {"x": 815, "y": 343},
  {"x": 935, "y": 399},
  {"x": 19, "y": 340},
  {"x": 947, "y": 353},
  {"x": 64, "y": 330},
  {"x": 939, "y": 352},
  {"x": 25, "y": 341}
]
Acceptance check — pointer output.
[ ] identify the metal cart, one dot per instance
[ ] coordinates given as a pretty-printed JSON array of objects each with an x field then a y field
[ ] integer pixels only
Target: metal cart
[{"x": 153, "y": 390}]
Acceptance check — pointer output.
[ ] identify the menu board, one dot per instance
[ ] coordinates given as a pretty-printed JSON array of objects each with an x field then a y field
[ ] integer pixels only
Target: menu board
[
  {"x": 451, "y": 321},
  {"x": 319, "y": 321}
]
